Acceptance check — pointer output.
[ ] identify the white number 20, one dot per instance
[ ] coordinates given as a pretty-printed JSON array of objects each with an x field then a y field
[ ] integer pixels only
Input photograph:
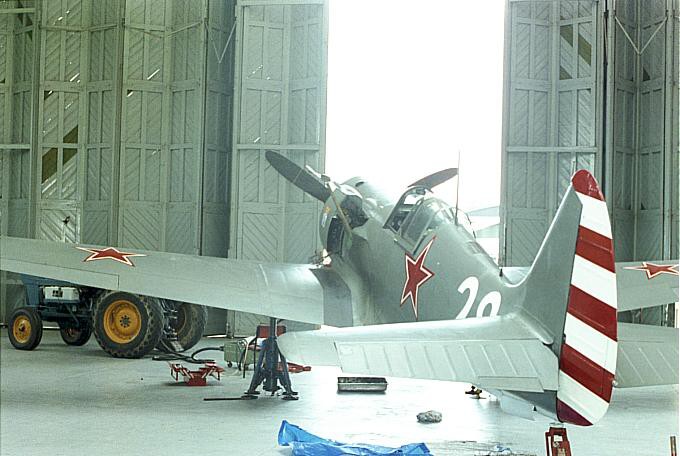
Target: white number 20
[{"x": 492, "y": 299}]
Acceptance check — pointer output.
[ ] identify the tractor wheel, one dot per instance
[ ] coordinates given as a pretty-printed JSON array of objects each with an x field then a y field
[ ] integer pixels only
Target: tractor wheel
[
  {"x": 25, "y": 328},
  {"x": 189, "y": 325},
  {"x": 75, "y": 336},
  {"x": 127, "y": 325}
]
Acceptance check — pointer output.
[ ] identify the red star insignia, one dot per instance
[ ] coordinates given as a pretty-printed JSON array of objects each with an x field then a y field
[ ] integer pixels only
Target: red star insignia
[
  {"x": 416, "y": 275},
  {"x": 110, "y": 253},
  {"x": 654, "y": 270}
]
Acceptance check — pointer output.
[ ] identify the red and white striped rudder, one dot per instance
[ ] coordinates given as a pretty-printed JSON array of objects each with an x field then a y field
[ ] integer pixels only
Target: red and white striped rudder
[{"x": 587, "y": 361}]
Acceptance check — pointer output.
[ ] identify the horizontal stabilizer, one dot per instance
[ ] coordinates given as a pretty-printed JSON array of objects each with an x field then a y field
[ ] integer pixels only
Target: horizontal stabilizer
[
  {"x": 643, "y": 284},
  {"x": 492, "y": 353},
  {"x": 648, "y": 356},
  {"x": 639, "y": 284}
]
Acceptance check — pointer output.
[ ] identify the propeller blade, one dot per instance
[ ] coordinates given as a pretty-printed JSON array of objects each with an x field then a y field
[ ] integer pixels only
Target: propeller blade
[
  {"x": 435, "y": 179},
  {"x": 297, "y": 176}
]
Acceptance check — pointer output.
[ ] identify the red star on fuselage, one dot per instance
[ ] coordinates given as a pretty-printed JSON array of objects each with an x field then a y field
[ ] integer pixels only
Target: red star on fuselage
[
  {"x": 110, "y": 253},
  {"x": 654, "y": 270},
  {"x": 416, "y": 275}
]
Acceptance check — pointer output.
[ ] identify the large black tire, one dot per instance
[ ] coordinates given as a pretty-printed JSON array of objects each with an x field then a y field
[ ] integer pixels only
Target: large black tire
[
  {"x": 189, "y": 325},
  {"x": 75, "y": 336},
  {"x": 127, "y": 325},
  {"x": 25, "y": 328}
]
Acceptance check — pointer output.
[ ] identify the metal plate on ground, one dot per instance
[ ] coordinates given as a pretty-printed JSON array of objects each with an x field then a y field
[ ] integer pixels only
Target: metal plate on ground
[
  {"x": 362, "y": 384},
  {"x": 473, "y": 448}
]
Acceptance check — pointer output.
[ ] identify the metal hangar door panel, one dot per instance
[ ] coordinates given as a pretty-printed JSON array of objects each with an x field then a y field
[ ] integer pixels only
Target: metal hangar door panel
[
  {"x": 163, "y": 100},
  {"x": 280, "y": 104},
  {"x": 551, "y": 115}
]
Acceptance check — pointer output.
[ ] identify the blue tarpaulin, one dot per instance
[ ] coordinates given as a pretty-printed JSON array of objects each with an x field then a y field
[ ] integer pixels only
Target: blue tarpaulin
[{"x": 306, "y": 444}]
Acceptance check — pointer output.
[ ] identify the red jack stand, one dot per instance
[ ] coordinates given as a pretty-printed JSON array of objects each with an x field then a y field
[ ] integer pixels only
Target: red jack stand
[
  {"x": 556, "y": 441},
  {"x": 198, "y": 377},
  {"x": 296, "y": 368}
]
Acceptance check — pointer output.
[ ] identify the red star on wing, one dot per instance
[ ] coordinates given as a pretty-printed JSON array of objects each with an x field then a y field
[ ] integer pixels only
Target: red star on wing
[
  {"x": 654, "y": 270},
  {"x": 416, "y": 275},
  {"x": 110, "y": 253}
]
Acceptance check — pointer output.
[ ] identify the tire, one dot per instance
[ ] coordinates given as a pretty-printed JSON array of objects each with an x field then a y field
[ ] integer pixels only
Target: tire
[
  {"x": 75, "y": 336},
  {"x": 25, "y": 328},
  {"x": 127, "y": 325},
  {"x": 189, "y": 325}
]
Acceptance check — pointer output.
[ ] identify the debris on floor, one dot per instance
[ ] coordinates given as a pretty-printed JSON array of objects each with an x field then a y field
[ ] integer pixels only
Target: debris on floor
[
  {"x": 362, "y": 384},
  {"x": 306, "y": 444},
  {"x": 431, "y": 416}
]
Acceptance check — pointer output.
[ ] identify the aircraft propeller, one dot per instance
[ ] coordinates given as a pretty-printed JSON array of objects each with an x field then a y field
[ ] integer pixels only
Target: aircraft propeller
[
  {"x": 345, "y": 198},
  {"x": 309, "y": 183},
  {"x": 435, "y": 179}
]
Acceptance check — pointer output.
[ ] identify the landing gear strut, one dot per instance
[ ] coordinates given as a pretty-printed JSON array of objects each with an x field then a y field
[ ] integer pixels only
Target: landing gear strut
[{"x": 271, "y": 369}]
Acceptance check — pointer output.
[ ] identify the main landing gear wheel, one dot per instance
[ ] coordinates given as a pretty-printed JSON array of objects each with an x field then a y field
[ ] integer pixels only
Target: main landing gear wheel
[
  {"x": 75, "y": 336},
  {"x": 190, "y": 324},
  {"x": 127, "y": 325},
  {"x": 25, "y": 328}
]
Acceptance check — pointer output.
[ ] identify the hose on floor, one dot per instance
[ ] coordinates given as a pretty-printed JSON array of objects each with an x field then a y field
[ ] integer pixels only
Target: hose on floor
[{"x": 167, "y": 354}]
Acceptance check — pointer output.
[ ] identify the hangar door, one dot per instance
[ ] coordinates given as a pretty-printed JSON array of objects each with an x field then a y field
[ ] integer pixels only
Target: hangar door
[
  {"x": 643, "y": 132},
  {"x": 104, "y": 135},
  {"x": 280, "y": 104},
  {"x": 594, "y": 85},
  {"x": 551, "y": 118}
]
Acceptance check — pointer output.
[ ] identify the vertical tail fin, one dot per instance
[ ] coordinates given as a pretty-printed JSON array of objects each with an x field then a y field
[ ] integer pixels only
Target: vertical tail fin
[
  {"x": 588, "y": 355},
  {"x": 571, "y": 295}
]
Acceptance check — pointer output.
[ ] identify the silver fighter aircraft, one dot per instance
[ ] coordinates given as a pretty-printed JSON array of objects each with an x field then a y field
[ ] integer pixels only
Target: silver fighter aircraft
[{"x": 408, "y": 293}]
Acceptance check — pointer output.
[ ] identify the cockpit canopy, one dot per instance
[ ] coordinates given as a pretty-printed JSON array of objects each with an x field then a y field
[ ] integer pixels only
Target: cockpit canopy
[{"x": 419, "y": 213}]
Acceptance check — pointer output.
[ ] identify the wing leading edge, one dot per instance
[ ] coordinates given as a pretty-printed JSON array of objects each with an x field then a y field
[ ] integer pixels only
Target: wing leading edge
[{"x": 285, "y": 291}]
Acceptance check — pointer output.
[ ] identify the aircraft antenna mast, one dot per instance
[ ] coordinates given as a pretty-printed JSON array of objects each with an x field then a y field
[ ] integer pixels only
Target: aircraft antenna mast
[{"x": 457, "y": 186}]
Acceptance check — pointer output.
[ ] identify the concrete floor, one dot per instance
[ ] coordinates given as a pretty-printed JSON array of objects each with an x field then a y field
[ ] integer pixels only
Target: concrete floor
[{"x": 78, "y": 401}]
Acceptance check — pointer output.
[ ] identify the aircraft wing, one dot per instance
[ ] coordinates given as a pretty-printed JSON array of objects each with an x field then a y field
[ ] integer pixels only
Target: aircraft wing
[
  {"x": 639, "y": 284},
  {"x": 294, "y": 292},
  {"x": 492, "y": 353},
  {"x": 648, "y": 355}
]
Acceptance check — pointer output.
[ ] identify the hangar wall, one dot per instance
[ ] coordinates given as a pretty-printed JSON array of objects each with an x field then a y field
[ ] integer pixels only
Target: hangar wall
[
  {"x": 117, "y": 124},
  {"x": 591, "y": 86}
]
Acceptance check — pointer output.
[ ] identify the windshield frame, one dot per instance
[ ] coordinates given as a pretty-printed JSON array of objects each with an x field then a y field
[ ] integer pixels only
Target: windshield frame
[{"x": 421, "y": 214}]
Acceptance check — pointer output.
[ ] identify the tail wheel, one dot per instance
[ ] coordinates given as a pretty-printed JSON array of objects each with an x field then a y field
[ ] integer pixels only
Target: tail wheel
[
  {"x": 127, "y": 325},
  {"x": 75, "y": 336},
  {"x": 190, "y": 323},
  {"x": 25, "y": 328}
]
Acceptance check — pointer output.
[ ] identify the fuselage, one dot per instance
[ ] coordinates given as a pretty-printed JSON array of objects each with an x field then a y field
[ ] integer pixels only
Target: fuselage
[{"x": 417, "y": 258}]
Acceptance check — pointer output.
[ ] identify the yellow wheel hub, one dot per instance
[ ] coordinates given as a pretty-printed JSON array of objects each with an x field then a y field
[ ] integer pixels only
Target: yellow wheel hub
[
  {"x": 122, "y": 321},
  {"x": 21, "y": 329}
]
